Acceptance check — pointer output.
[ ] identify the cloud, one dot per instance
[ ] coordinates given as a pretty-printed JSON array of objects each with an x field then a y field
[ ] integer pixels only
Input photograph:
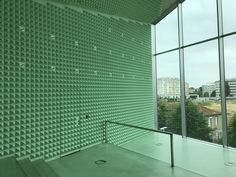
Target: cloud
[
  {"x": 199, "y": 20},
  {"x": 201, "y": 61}
]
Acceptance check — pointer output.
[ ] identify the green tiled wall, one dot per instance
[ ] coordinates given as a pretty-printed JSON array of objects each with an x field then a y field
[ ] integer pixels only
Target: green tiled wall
[{"x": 63, "y": 72}]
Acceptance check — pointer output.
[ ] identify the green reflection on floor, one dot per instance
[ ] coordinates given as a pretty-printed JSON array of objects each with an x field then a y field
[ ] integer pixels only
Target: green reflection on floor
[
  {"x": 119, "y": 162},
  {"x": 194, "y": 155}
]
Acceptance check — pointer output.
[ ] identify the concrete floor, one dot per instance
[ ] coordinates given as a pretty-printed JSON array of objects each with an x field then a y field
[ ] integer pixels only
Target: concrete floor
[
  {"x": 197, "y": 156},
  {"x": 9, "y": 167},
  {"x": 120, "y": 162}
]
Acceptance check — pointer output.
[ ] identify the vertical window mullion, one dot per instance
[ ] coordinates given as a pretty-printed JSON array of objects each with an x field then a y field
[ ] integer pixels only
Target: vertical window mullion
[
  {"x": 222, "y": 70},
  {"x": 154, "y": 77},
  {"x": 181, "y": 68}
]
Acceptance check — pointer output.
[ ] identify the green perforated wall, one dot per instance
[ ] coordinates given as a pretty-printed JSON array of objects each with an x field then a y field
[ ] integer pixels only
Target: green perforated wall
[{"x": 63, "y": 72}]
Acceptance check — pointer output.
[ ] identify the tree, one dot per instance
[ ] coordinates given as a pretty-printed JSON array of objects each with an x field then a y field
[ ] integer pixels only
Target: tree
[
  {"x": 232, "y": 131},
  {"x": 199, "y": 92},
  {"x": 227, "y": 88},
  {"x": 206, "y": 94},
  {"x": 173, "y": 123},
  {"x": 197, "y": 126},
  {"x": 163, "y": 112},
  {"x": 213, "y": 94}
]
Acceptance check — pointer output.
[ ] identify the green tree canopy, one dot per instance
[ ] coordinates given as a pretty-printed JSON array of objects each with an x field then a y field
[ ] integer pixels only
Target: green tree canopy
[
  {"x": 173, "y": 124},
  {"x": 232, "y": 131},
  {"x": 199, "y": 92},
  {"x": 162, "y": 112},
  {"x": 197, "y": 125},
  {"x": 213, "y": 94},
  {"x": 206, "y": 94},
  {"x": 227, "y": 89}
]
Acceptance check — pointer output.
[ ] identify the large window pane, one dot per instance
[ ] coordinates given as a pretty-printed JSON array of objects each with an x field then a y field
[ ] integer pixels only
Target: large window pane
[
  {"x": 168, "y": 92},
  {"x": 203, "y": 106},
  {"x": 229, "y": 14},
  {"x": 230, "y": 75},
  {"x": 167, "y": 32},
  {"x": 199, "y": 19}
]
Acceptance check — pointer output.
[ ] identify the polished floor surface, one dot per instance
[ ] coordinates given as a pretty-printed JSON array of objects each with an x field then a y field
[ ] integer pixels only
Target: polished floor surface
[
  {"x": 207, "y": 159},
  {"x": 106, "y": 160}
]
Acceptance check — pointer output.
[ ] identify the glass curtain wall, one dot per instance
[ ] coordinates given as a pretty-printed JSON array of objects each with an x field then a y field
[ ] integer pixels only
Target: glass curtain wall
[
  {"x": 230, "y": 76},
  {"x": 203, "y": 103},
  {"x": 199, "y": 20},
  {"x": 167, "y": 33},
  {"x": 168, "y": 93},
  {"x": 229, "y": 14},
  {"x": 230, "y": 67},
  {"x": 168, "y": 80}
]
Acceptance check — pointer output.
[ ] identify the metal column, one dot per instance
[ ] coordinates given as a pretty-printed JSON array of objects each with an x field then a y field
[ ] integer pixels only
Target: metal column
[
  {"x": 154, "y": 77},
  {"x": 222, "y": 71},
  {"x": 181, "y": 67}
]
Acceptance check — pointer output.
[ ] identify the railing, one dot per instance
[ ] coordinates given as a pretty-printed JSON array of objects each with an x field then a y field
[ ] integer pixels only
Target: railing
[{"x": 142, "y": 128}]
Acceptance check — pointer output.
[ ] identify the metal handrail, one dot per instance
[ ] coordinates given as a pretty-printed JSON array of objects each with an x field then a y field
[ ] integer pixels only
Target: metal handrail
[{"x": 146, "y": 129}]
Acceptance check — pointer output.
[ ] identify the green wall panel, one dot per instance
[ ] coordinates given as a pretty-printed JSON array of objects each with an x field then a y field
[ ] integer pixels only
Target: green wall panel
[{"x": 63, "y": 72}]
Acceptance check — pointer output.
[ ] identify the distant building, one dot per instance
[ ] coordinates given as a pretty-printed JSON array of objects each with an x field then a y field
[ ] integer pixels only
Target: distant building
[
  {"x": 192, "y": 93},
  {"x": 232, "y": 87},
  {"x": 193, "y": 96},
  {"x": 170, "y": 87},
  {"x": 208, "y": 88},
  {"x": 217, "y": 86},
  {"x": 214, "y": 119},
  {"x": 191, "y": 90}
]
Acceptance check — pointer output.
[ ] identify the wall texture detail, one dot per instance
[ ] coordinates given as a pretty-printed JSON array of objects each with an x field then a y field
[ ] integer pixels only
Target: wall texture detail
[{"x": 63, "y": 72}]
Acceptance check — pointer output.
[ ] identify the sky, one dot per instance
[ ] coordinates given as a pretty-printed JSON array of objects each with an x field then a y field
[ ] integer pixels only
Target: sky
[{"x": 201, "y": 61}]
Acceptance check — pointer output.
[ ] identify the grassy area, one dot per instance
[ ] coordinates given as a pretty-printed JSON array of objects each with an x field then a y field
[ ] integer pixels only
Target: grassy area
[{"x": 231, "y": 108}]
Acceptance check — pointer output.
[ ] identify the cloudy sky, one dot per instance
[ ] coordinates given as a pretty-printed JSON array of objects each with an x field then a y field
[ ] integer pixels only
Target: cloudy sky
[{"x": 201, "y": 61}]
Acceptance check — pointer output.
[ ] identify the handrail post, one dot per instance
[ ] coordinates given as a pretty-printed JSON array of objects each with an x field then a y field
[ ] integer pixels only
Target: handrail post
[
  {"x": 172, "y": 150},
  {"x": 142, "y": 128}
]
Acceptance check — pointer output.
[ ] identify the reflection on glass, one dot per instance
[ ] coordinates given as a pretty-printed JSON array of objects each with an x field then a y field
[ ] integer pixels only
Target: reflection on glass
[
  {"x": 230, "y": 76},
  {"x": 229, "y": 14},
  {"x": 167, "y": 32},
  {"x": 199, "y": 20},
  {"x": 168, "y": 92},
  {"x": 203, "y": 105}
]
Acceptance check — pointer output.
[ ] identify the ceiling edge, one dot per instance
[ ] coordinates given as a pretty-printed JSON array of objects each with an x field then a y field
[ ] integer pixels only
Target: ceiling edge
[{"x": 167, "y": 11}]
